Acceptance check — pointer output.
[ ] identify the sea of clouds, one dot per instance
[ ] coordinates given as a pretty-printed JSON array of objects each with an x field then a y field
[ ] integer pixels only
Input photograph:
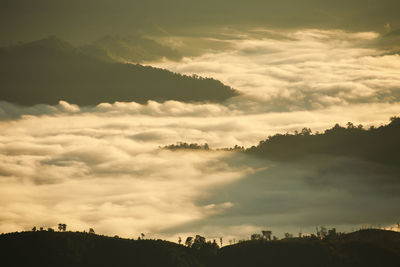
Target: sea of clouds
[{"x": 102, "y": 167}]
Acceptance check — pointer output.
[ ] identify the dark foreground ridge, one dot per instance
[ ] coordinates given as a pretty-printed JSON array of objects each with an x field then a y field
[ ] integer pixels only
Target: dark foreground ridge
[
  {"x": 50, "y": 70},
  {"x": 362, "y": 248}
]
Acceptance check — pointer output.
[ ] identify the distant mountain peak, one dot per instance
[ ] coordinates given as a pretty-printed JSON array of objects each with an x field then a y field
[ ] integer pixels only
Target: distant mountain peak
[{"x": 51, "y": 42}]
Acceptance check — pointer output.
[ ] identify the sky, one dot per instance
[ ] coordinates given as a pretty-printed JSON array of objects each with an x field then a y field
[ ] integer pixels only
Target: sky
[
  {"x": 102, "y": 166},
  {"x": 83, "y": 21}
]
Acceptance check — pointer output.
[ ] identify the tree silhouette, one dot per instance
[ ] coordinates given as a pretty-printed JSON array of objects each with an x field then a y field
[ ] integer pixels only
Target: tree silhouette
[
  {"x": 322, "y": 232},
  {"x": 91, "y": 231},
  {"x": 62, "y": 227},
  {"x": 198, "y": 242},
  {"x": 306, "y": 131},
  {"x": 255, "y": 237},
  {"x": 332, "y": 233},
  {"x": 267, "y": 235},
  {"x": 189, "y": 241},
  {"x": 288, "y": 235},
  {"x": 184, "y": 145}
]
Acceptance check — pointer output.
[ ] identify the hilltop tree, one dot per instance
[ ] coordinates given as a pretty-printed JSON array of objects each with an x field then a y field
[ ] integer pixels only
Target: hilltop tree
[
  {"x": 198, "y": 242},
  {"x": 288, "y": 235},
  {"x": 62, "y": 227},
  {"x": 267, "y": 235},
  {"x": 332, "y": 233},
  {"x": 350, "y": 125},
  {"x": 322, "y": 232},
  {"x": 189, "y": 241},
  {"x": 306, "y": 131},
  {"x": 255, "y": 237}
]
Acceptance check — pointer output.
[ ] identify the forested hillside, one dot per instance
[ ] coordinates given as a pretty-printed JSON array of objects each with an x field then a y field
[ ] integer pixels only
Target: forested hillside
[
  {"x": 50, "y": 70},
  {"x": 378, "y": 144},
  {"x": 363, "y": 248}
]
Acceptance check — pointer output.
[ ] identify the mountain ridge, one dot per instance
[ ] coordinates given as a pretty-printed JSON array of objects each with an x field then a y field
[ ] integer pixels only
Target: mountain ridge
[
  {"x": 47, "y": 248},
  {"x": 49, "y": 70}
]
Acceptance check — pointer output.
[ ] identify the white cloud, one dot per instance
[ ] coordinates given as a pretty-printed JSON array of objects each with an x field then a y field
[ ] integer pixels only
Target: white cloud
[
  {"x": 92, "y": 169},
  {"x": 65, "y": 106},
  {"x": 79, "y": 170},
  {"x": 308, "y": 69},
  {"x": 100, "y": 167}
]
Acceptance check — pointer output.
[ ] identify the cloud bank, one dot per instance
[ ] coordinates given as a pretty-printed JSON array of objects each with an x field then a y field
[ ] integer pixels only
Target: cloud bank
[
  {"x": 101, "y": 167},
  {"x": 304, "y": 69}
]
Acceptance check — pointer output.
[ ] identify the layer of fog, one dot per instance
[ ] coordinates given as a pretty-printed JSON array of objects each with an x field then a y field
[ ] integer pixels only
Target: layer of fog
[
  {"x": 101, "y": 167},
  {"x": 297, "y": 70}
]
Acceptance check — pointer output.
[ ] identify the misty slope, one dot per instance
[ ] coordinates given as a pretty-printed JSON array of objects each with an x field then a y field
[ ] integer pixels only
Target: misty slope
[
  {"x": 50, "y": 70},
  {"x": 379, "y": 145},
  {"x": 375, "y": 144},
  {"x": 362, "y": 248},
  {"x": 345, "y": 176}
]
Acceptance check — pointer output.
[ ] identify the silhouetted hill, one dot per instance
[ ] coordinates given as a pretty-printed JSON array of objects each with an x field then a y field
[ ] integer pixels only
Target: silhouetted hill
[
  {"x": 50, "y": 70},
  {"x": 363, "y": 248},
  {"x": 80, "y": 249},
  {"x": 375, "y": 144},
  {"x": 379, "y": 144}
]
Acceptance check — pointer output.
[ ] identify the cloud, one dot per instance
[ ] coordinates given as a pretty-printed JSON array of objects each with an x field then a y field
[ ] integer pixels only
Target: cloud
[
  {"x": 65, "y": 106},
  {"x": 101, "y": 167},
  {"x": 310, "y": 69},
  {"x": 74, "y": 166},
  {"x": 105, "y": 187}
]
